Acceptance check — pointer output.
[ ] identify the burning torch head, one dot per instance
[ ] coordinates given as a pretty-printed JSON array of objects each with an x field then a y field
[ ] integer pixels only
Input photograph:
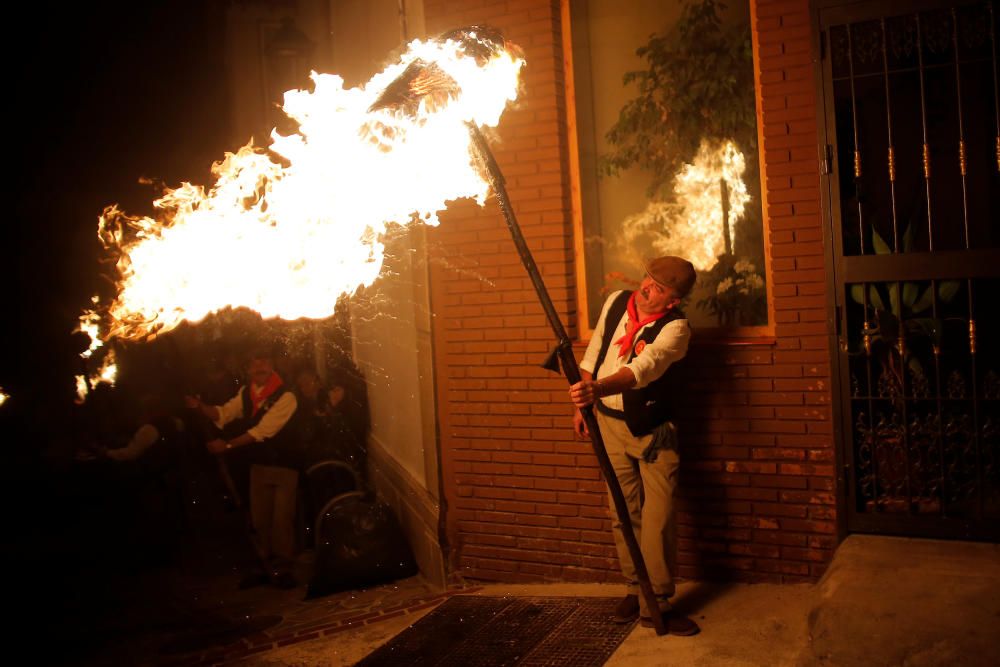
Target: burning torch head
[{"x": 428, "y": 82}]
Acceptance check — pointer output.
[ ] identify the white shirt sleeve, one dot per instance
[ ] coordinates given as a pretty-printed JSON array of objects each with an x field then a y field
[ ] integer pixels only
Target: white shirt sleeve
[
  {"x": 143, "y": 439},
  {"x": 275, "y": 418},
  {"x": 231, "y": 409},
  {"x": 669, "y": 346},
  {"x": 594, "y": 346}
]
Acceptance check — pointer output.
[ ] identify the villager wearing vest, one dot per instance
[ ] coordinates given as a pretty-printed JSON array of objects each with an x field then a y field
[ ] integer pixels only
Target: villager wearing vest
[
  {"x": 261, "y": 410},
  {"x": 627, "y": 375}
]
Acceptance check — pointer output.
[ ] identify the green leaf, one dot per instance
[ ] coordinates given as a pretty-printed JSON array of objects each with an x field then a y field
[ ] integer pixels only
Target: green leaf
[
  {"x": 908, "y": 238},
  {"x": 881, "y": 247},
  {"x": 874, "y": 298},
  {"x": 894, "y": 299},
  {"x": 858, "y": 294},
  {"x": 910, "y": 292},
  {"x": 924, "y": 302},
  {"x": 947, "y": 289}
]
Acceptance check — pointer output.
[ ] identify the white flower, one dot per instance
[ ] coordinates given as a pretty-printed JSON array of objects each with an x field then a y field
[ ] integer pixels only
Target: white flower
[
  {"x": 756, "y": 281},
  {"x": 744, "y": 266},
  {"x": 724, "y": 286}
]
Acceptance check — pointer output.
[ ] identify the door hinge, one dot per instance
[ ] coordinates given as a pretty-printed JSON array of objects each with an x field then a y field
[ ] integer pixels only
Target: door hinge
[{"x": 826, "y": 159}]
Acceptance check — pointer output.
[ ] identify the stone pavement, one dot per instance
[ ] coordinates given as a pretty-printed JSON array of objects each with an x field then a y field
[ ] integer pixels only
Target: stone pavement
[{"x": 883, "y": 601}]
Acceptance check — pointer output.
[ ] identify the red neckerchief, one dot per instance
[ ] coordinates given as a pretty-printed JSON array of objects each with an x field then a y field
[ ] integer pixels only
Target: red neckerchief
[
  {"x": 633, "y": 325},
  {"x": 269, "y": 388}
]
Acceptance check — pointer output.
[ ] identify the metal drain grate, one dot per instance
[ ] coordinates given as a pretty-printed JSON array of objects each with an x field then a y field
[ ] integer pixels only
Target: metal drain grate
[{"x": 478, "y": 631}]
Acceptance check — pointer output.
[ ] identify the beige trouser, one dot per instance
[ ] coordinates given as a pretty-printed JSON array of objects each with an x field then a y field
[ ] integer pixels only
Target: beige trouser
[
  {"x": 273, "y": 496},
  {"x": 649, "y": 493}
]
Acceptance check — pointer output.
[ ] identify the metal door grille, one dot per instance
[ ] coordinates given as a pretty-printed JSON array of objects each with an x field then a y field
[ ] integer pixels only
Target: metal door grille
[{"x": 912, "y": 111}]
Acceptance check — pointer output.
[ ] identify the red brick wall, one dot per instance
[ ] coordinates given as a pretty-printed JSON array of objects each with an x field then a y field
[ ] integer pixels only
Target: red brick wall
[{"x": 523, "y": 500}]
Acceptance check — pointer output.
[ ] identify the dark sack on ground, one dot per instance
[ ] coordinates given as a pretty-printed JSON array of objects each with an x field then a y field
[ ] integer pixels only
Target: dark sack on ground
[{"x": 358, "y": 543}]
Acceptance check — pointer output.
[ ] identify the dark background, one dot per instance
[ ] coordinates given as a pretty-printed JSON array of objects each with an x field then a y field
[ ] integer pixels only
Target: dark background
[
  {"x": 101, "y": 94},
  {"x": 98, "y": 95}
]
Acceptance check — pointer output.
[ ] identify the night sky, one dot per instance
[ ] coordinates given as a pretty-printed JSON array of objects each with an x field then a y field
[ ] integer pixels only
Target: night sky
[{"x": 101, "y": 95}]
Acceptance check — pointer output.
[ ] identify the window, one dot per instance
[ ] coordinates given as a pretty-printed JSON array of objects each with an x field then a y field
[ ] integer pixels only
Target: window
[{"x": 666, "y": 129}]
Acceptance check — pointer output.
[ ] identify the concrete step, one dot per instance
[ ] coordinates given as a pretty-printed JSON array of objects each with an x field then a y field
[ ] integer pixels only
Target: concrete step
[{"x": 903, "y": 601}]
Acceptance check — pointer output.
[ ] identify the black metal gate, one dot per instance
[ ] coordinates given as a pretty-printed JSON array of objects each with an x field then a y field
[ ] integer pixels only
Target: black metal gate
[{"x": 911, "y": 106}]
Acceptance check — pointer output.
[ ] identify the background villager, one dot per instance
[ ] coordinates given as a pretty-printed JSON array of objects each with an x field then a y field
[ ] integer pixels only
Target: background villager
[
  {"x": 157, "y": 430},
  {"x": 258, "y": 414},
  {"x": 639, "y": 337},
  {"x": 322, "y": 424}
]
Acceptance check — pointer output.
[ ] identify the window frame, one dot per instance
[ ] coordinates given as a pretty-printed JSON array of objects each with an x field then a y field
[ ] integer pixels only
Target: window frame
[{"x": 736, "y": 335}]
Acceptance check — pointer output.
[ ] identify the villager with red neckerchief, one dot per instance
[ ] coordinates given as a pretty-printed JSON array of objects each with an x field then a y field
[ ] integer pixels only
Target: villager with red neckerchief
[
  {"x": 259, "y": 413},
  {"x": 639, "y": 338}
]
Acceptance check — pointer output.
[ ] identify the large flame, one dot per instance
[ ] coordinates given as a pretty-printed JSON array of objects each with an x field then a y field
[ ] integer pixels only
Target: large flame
[
  {"x": 286, "y": 233},
  {"x": 692, "y": 224}
]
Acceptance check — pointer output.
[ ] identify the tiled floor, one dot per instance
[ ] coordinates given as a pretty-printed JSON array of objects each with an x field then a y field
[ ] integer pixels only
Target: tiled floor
[
  {"x": 190, "y": 610},
  {"x": 306, "y": 620}
]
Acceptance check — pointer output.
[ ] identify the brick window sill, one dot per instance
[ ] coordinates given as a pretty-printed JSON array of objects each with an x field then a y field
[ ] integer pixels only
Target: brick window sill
[{"x": 736, "y": 337}]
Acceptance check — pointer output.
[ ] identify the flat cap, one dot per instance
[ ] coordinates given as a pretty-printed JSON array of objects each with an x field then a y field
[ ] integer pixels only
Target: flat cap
[{"x": 674, "y": 272}]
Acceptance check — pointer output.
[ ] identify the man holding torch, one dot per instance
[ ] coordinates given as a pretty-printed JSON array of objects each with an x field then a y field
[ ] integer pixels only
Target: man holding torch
[{"x": 626, "y": 374}]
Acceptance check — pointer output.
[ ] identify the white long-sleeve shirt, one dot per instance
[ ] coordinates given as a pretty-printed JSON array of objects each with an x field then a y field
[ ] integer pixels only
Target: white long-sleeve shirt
[
  {"x": 144, "y": 438},
  {"x": 272, "y": 421},
  {"x": 669, "y": 346}
]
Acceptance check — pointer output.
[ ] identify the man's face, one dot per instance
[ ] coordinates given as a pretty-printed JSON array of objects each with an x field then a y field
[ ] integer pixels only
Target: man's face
[
  {"x": 308, "y": 385},
  {"x": 260, "y": 370},
  {"x": 654, "y": 298}
]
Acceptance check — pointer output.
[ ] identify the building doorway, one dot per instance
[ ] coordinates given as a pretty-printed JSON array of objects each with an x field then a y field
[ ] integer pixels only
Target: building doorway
[{"x": 910, "y": 138}]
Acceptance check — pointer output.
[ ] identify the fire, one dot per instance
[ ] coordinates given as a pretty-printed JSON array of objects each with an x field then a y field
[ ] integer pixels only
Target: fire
[
  {"x": 108, "y": 372},
  {"x": 287, "y": 231},
  {"x": 82, "y": 389},
  {"x": 90, "y": 324},
  {"x": 692, "y": 225},
  {"x": 4, "y": 396}
]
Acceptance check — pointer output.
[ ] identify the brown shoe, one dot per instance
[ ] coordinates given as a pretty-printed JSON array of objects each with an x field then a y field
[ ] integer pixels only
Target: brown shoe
[
  {"x": 682, "y": 626},
  {"x": 627, "y": 610}
]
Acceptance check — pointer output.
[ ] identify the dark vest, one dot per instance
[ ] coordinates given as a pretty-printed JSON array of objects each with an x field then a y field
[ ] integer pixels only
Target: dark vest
[
  {"x": 645, "y": 408},
  {"x": 266, "y": 452}
]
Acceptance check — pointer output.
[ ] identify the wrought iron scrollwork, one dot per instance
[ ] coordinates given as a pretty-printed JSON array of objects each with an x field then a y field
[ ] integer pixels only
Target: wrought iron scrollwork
[
  {"x": 925, "y": 457},
  {"x": 902, "y": 33},
  {"x": 959, "y": 458},
  {"x": 937, "y": 34},
  {"x": 956, "y": 388},
  {"x": 920, "y": 387},
  {"x": 867, "y": 43},
  {"x": 991, "y": 386}
]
